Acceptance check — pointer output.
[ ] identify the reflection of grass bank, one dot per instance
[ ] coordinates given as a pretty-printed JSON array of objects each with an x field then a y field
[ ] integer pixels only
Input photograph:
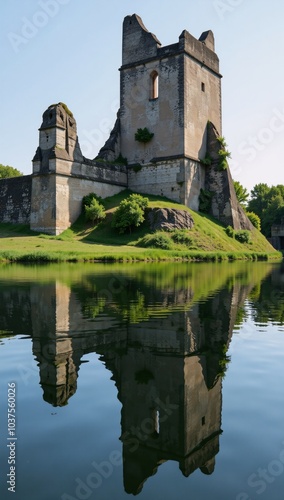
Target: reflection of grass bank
[{"x": 207, "y": 241}]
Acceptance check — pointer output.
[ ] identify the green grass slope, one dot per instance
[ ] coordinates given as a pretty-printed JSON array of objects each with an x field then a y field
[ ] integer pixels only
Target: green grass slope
[{"x": 82, "y": 242}]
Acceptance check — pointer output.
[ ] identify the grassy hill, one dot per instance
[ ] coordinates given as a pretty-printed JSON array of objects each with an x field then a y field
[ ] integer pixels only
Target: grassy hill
[{"x": 207, "y": 240}]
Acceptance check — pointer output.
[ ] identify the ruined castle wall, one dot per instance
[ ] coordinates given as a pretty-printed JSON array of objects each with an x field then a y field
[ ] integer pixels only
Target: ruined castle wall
[
  {"x": 194, "y": 180},
  {"x": 57, "y": 195},
  {"x": 158, "y": 179},
  {"x": 69, "y": 194},
  {"x": 15, "y": 199},
  {"x": 202, "y": 103},
  {"x": 179, "y": 180},
  {"x": 43, "y": 206},
  {"x": 139, "y": 110}
]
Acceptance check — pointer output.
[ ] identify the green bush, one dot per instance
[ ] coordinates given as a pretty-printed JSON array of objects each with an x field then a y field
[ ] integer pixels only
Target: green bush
[
  {"x": 143, "y": 135},
  {"x": 94, "y": 211},
  {"x": 243, "y": 236},
  {"x": 142, "y": 201},
  {"x": 161, "y": 240},
  {"x": 128, "y": 215},
  {"x": 182, "y": 237},
  {"x": 230, "y": 231},
  {"x": 222, "y": 141},
  {"x": 87, "y": 200},
  {"x": 255, "y": 220}
]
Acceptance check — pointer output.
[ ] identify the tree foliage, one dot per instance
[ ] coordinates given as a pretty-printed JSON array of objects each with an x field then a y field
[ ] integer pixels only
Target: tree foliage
[
  {"x": 130, "y": 213},
  {"x": 95, "y": 211},
  {"x": 6, "y": 172},
  {"x": 268, "y": 203},
  {"x": 93, "y": 207}
]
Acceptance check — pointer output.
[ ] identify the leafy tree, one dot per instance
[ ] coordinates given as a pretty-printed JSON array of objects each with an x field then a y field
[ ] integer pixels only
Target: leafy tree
[
  {"x": 6, "y": 172},
  {"x": 268, "y": 203},
  {"x": 94, "y": 211},
  {"x": 273, "y": 214},
  {"x": 241, "y": 193},
  {"x": 259, "y": 199},
  {"x": 128, "y": 215}
]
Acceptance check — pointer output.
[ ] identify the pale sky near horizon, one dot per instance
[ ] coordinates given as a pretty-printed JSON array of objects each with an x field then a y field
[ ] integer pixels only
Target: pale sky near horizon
[{"x": 70, "y": 51}]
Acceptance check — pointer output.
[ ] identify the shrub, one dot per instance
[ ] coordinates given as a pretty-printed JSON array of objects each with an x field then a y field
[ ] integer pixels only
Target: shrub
[
  {"x": 255, "y": 220},
  {"x": 94, "y": 211},
  {"x": 128, "y": 215},
  {"x": 222, "y": 141},
  {"x": 143, "y": 135},
  {"x": 181, "y": 236},
  {"x": 161, "y": 240},
  {"x": 142, "y": 201},
  {"x": 243, "y": 236},
  {"x": 230, "y": 231},
  {"x": 87, "y": 200}
]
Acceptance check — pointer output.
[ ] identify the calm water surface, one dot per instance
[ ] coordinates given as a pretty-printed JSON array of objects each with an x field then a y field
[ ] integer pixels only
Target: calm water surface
[{"x": 163, "y": 381}]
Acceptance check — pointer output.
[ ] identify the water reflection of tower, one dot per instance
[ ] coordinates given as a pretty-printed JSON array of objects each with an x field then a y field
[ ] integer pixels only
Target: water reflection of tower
[
  {"x": 167, "y": 371},
  {"x": 169, "y": 383},
  {"x": 52, "y": 344}
]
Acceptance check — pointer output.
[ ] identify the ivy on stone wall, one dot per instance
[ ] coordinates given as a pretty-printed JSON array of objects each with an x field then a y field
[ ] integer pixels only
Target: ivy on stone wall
[
  {"x": 223, "y": 154},
  {"x": 205, "y": 200}
]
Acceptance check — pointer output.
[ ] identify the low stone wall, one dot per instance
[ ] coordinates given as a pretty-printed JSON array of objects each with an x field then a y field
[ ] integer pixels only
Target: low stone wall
[
  {"x": 179, "y": 180},
  {"x": 15, "y": 199},
  {"x": 159, "y": 179},
  {"x": 57, "y": 195}
]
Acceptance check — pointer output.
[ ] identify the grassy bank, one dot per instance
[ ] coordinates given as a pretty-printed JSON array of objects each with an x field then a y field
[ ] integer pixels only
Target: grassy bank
[{"x": 207, "y": 241}]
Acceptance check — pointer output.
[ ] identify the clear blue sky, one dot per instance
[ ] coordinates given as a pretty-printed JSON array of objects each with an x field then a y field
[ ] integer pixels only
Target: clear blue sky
[{"x": 70, "y": 51}]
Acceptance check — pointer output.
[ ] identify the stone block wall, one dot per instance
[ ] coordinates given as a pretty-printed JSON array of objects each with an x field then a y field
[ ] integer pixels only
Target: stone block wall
[
  {"x": 159, "y": 179},
  {"x": 179, "y": 180},
  {"x": 57, "y": 196},
  {"x": 15, "y": 199}
]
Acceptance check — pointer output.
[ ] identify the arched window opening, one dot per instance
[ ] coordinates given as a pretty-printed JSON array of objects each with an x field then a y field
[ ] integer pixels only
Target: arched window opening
[{"x": 154, "y": 85}]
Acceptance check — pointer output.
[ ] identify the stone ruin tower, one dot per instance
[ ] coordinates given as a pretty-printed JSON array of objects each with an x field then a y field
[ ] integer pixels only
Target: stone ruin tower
[
  {"x": 62, "y": 176},
  {"x": 174, "y": 92}
]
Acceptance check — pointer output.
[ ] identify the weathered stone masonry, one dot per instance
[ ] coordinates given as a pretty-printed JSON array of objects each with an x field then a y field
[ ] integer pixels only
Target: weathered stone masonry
[
  {"x": 15, "y": 200},
  {"x": 174, "y": 91}
]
